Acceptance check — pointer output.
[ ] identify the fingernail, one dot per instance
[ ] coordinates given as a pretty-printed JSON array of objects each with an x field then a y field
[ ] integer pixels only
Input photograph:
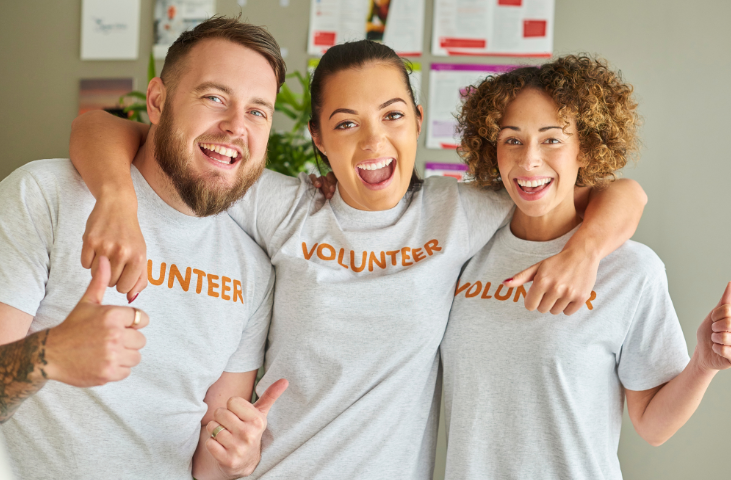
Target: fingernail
[
  {"x": 508, "y": 280},
  {"x": 134, "y": 298}
]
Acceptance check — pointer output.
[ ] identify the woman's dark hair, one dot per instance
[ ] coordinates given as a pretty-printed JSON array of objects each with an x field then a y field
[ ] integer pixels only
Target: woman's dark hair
[{"x": 355, "y": 55}]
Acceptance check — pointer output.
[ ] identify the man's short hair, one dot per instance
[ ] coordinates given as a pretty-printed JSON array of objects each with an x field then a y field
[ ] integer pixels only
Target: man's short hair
[{"x": 228, "y": 28}]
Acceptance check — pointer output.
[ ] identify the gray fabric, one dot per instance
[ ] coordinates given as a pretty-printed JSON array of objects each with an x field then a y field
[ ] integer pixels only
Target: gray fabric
[
  {"x": 537, "y": 396},
  {"x": 360, "y": 349},
  {"x": 146, "y": 426}
]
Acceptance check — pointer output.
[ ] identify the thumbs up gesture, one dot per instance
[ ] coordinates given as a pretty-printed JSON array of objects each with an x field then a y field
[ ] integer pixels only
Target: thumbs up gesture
[
  {"x": 236, "y": 431},
  {"x": 714, "y": 335},
  {"x": 96, "y": 343}
]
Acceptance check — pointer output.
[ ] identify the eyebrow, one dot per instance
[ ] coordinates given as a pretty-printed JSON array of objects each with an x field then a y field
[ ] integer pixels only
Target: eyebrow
[
  {"x": 517, "y": 129},
  {"x": 264, "y": 103},
  {"x": 212, "y": 85},
  {"x": 380, "y": 107}
]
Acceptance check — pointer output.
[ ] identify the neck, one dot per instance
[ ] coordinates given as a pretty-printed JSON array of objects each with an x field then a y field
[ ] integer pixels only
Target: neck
[
  {"x": 554, "y": 224},
  {"x": 156, "y": 177}
]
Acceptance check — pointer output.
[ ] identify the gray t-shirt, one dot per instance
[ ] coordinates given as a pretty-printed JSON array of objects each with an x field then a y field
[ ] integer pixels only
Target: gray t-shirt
[
  {"x": 537, "y": 396},
  {"x": 209, "y": 302},
  {"x": 361, "y": 303}
]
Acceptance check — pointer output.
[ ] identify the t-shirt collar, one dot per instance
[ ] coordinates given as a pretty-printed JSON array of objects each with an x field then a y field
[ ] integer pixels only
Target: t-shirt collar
[
  {"x": 551, "y": 247},
  {"x": 353, "y": 219},
  {"x": 154, "y": 205}
]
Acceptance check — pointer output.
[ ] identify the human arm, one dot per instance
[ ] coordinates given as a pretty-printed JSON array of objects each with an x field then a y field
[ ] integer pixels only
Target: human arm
[
  {"x": 111, "y": 184},
  {"x": 563, "y": 282},
  {"x": 659, "y": 412},
  {"x": 236, "y": 449},
  {"x": 92, "y": 346}
]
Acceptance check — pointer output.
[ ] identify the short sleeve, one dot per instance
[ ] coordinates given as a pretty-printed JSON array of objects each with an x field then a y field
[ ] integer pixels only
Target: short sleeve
[
  {"x": 654, "y": 350},
  {"x": 250, "y": 354},
  {"x": 267, "y": 205},
  {"x": 26, "y": 239},
  {"x": 486, "y": 211}
]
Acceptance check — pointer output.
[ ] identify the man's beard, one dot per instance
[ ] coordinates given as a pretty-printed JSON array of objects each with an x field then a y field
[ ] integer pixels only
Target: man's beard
[{"x": 205, "y": 194}]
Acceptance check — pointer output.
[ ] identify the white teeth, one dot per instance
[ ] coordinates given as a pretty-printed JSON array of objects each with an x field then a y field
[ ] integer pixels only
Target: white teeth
[
  {"x": 229, "y": 152},
  {"x": 533, "y": 183},
  {"x": 377, "y": 165}
]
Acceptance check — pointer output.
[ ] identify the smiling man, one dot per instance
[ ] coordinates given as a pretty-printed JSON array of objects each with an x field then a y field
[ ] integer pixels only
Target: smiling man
[{"x": 183, "y": 403}]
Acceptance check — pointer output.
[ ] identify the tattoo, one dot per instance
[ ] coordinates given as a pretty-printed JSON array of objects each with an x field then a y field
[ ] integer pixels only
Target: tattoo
[{"x": 21, "y": 371}]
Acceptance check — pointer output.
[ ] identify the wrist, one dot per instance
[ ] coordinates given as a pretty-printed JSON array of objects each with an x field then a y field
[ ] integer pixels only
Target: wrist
[
  {"x": 585, "y": 246},
  {"x": 699, "y": 369},
  {"x": 118, "y": 195}
]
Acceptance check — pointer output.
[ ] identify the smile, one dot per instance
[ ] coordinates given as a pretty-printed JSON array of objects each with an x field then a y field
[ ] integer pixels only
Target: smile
[
  {"x": 533, "y": 188},
  {"x": 377, "y": 173},
  {"x": 220, "y": 154}
]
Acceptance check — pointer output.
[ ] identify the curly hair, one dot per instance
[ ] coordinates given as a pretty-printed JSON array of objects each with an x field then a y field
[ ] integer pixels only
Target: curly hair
[{"x": 583, "y": 88}]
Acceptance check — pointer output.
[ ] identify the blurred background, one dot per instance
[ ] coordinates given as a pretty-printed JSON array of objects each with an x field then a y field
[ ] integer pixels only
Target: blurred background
[{"x": 674, "y": 52}]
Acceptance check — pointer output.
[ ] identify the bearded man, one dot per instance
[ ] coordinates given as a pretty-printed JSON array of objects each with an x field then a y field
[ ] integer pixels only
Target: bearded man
[{"x": 77, "y": 400}]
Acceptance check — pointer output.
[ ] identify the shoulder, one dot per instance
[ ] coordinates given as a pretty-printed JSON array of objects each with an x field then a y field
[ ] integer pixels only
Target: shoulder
[
  {"x": 638, "y": 257},
  {"x": 49, "y": 172}
]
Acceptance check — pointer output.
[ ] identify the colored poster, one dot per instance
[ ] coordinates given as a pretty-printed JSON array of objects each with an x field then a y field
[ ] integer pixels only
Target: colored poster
[
  {"x": 448, "y": 84},
  {"x": 173, "y": 17},
  {"x": 414, "y": 77},
  {"x": 514, "y": 28},
  {"x": 103, "y": 94},
  {"x": 397, "y": 23},
  {"x": 110, "y": 29},
  {"x": 454, "y": 170}
]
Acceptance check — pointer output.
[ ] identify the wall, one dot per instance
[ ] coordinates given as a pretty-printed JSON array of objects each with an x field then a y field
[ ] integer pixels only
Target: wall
[{"x": 674, "y": 52}]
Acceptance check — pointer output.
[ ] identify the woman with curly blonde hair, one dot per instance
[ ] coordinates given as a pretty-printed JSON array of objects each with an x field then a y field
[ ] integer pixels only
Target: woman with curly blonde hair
[{"x": 528, "y": 395}]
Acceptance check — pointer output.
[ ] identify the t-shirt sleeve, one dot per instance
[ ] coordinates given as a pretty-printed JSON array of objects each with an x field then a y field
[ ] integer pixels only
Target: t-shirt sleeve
[
  {"x": 250, "y": 354},
  {"x": 26, "y": 239},
  {"x": 486, "y": 211},
  {"x": 654, "y": 350},
  {"x": 267, "y": 205}
]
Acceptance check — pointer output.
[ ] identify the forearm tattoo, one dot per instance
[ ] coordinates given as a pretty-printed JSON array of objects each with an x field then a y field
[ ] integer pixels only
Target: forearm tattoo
[{"x": 21, "y": 371}]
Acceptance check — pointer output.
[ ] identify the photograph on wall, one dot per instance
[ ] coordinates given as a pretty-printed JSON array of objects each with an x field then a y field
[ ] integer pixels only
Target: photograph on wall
[
  {"x": 103, "y": 94},
  {"x": 397, "y": 23},
  {"x": 173, "y": 17},
  {"x": 515, "y": 28},
  {"x": 448, "y": 84},
  {"x": 110, "y": 29}
]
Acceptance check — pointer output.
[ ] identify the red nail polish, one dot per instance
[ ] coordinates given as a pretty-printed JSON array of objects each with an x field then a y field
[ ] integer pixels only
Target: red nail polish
[
  {"x": 134, "y": 298},
  {"x": 508, "y": 280}
]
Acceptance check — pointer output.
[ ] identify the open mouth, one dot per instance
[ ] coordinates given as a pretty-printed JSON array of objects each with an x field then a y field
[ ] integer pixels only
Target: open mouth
[
  {"x": 219, "y": 153},
  {"x": 377, "y": 173},
  {"x": 533, "y": 188}
]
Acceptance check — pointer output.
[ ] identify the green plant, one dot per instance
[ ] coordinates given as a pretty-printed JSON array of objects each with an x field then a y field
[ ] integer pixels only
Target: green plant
[
  {"x": 139, "y": 99},
  {"x": 292, "y": 152}
]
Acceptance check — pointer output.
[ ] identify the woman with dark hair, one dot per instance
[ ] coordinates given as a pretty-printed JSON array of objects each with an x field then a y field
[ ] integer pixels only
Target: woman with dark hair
[
  {"x": 527, "y": 395},
  {"x": 365, "y": 280}
]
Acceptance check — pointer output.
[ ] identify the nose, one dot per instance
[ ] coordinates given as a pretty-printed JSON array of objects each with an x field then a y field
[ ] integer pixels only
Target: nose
[
  {"x": 373, "y": 136},
  {"x": 234, "y": 123},
  {"x": 531, "y": 157}
]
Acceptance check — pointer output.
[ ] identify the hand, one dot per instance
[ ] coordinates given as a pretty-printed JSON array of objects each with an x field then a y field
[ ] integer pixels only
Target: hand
[
  {"x": 113, "y": 231},
  {"x": 714, "y": 335},
  {"x": 96, "y": 343},
  {"x": 326, "y": 184},
  {"x": 561, "y": 283},
  {"x": 237, "y": 448}
]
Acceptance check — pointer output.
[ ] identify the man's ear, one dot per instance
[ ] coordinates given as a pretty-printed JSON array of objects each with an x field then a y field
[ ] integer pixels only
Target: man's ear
[{"x": 156, "y": 93}]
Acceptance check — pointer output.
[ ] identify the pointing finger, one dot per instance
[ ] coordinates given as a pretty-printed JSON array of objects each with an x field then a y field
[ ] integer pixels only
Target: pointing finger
[
  {"x": 525, "y": 276},
  {"x": 99, "y": 280}
]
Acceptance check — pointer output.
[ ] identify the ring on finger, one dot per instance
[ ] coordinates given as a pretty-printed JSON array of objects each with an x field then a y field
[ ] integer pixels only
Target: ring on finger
[
  {"x": 138, "y": 318},
  {"x": 217, "y": 430}
]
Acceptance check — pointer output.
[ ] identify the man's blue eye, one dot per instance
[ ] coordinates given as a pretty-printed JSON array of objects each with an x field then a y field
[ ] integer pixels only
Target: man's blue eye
[
  {"x": 215, "y": 99},
  {"x": 257, "y": 112}
]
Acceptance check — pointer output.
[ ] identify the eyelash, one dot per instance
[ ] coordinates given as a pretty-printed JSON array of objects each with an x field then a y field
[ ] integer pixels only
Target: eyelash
[{"x": 341, "y": 126}]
